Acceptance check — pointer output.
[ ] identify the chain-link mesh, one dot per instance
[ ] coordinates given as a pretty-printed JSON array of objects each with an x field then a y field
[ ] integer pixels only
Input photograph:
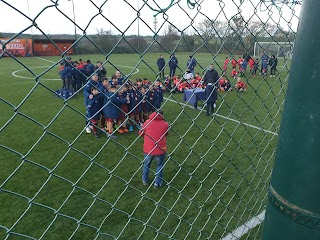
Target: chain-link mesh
[{"x": 58, "y": 182}]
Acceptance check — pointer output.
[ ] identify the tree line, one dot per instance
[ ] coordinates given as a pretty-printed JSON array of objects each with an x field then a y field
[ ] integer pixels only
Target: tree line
[{"x": 236, "y": 35}]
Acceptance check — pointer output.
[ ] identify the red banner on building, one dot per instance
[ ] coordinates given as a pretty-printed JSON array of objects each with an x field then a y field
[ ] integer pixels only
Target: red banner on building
[
  {"x": 16, "y": 47},
  {"x": 48, "y": 49}
]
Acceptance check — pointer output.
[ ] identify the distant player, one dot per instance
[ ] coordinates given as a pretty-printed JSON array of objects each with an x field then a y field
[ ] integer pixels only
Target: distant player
[
  {"x": 225, "y": 66},
  {"x": 265, "y": 67},
  {"x": 234, "y": 73},
  {"x": 240, "y": 85}
]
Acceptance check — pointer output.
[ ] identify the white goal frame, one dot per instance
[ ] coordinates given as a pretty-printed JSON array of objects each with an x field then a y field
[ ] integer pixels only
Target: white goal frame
[{"x": 276, "y": 47}]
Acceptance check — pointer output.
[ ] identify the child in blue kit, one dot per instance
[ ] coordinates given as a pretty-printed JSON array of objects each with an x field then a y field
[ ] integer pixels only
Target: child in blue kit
[
  {"x": 93, "y": 109},
  {"x": 265, "y": 67},
  {"x": 158, "y": 95},
  {"x": 111, "y": 110},
  {"x": 135, "y": 108}
]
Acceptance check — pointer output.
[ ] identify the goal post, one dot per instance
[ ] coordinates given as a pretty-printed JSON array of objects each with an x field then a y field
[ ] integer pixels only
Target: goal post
[{"x": 279, "y": 49}]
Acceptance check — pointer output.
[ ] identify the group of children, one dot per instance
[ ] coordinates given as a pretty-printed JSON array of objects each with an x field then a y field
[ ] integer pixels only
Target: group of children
[
  {"x": 239, "y": 67},
  {"x": 114, "y": 105},
  {"x": 181, "y": 84},
  {"x": 74, "y": 74},
  {"x": 120, "y": 107}
]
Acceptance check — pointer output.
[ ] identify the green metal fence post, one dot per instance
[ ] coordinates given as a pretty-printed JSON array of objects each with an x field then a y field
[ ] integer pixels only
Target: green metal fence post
[{"x": 293, "y": 210}]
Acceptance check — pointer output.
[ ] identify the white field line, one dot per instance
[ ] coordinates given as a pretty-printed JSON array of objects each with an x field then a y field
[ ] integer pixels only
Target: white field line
[
  {"x": 56, "y": 79},
  {"x": 231, "y": 119},
  {"x": 43, "y": 59},
  {"x": 246, "y": 227}
]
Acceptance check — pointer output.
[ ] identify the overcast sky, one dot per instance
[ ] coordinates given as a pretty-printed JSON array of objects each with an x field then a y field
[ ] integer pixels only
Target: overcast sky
[{"x": 123, "y": 15}]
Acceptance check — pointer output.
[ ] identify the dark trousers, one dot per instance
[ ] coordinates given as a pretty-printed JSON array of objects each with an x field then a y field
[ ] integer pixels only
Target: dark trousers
[
  {"x": 63, "y": 84},
  {"x": 69, "y": 83},
  {"x": 161, "y": 71},
  {"x": 172, "y": 72},
  {"x": 77, "y": 84},
  {"x": 210, "y": 105},
  {"x": 273, "y": 71},
  {"x": 254, "y": 71}
]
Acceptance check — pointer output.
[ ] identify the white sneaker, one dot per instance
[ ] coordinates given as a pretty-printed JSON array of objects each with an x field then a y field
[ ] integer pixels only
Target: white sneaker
[
  {"x": 214, "y": 105},
  {"x": 88, "y": 129}
]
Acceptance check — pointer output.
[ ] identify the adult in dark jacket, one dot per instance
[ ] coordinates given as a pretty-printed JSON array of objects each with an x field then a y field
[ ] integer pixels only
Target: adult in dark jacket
[
  {"x": 273, "y": 62},
  {"x": 154, "y": 131},
  {"x": 211, "y": 76},
  {"x": 173, "y": 64},
  {"x": 100, "y": 70},
  {"x": 77, "y": 78},
  {"x": 66, "y": 74},
  {"x": 161, "y": 63}
]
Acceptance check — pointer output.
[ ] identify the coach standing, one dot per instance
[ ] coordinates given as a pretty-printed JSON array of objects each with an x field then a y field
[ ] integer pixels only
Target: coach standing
[
  {"x": 154, "y": 131},
  {"x": 161, "y": 63},
  {"x": 211, "y": 76},
  {"x": 173, "y": 64}
]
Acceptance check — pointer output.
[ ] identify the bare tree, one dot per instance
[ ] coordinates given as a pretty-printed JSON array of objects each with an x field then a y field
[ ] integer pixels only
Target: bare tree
[
  {"x": 139, "y": 43},
  {"x": 169, "y": 38},
  {"x": 106, "y": 41}
]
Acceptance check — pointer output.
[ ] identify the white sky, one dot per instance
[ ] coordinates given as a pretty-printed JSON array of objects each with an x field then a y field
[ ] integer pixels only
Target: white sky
[{"x": 121, "y": 14}]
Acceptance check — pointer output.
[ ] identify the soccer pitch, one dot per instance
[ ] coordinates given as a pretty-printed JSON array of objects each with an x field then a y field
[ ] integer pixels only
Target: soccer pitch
[{"x": 58, "y": 182}]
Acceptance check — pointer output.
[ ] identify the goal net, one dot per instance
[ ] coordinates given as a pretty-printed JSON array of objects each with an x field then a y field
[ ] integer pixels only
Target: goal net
[{"x": 279, "y": 49}]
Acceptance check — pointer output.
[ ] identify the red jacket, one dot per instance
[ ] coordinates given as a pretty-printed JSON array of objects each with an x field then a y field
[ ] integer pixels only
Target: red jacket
[{"x": 154, "y": 131}]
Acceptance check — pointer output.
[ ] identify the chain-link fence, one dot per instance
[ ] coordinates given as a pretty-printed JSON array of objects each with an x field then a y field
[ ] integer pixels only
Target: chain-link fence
[{"x": 74, "y": 170}]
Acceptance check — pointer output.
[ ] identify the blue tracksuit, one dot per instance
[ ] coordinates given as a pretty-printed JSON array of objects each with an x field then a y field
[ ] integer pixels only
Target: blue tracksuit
[
  {"x": 66, "y": 72},
  {"x": 135, "y": 100},
  {"x": 157, "y": 98},
  {"x": 93, "y": 107},
  {"x": 265, "y": 65},
  {"x": 150, "y": 100},
  {"x": 191, "y": 64},
  {"x": 112, "y": 102},
  {"x": 87, "y": 89},
  {"x": 173, "y": 64},
  {"x": 102, "y": 94},
  {"x": 90, "y": 69},
  {"x": 77, "y": 79}
]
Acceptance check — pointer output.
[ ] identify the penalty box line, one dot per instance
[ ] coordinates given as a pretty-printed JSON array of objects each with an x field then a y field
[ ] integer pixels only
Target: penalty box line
[{"x": 227, "y": 118}]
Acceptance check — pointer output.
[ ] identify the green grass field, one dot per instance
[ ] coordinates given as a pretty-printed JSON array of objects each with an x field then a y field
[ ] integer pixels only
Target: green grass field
[{"x": 58, "y": 182}]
